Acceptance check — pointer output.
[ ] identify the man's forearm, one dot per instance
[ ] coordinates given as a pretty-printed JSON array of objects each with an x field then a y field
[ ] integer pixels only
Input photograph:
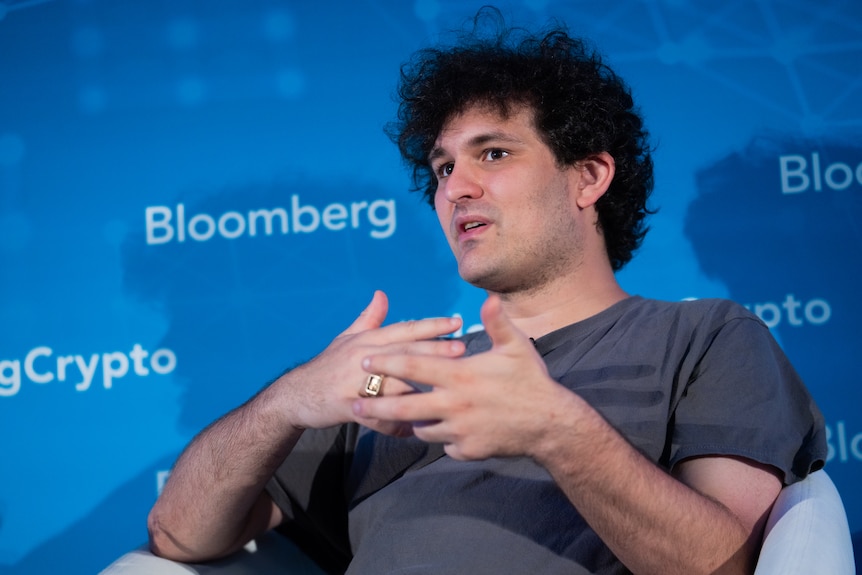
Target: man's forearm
[
  {"x": 213, "y": 502},
  {"x": 650, "y": 520},
  {"x": 212, "y": 505}
]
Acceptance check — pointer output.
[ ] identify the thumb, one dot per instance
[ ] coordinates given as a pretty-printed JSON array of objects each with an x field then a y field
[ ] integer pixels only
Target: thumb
[
  {"x": 497, "y": 324},
  {"x": 372, "y": 316}
]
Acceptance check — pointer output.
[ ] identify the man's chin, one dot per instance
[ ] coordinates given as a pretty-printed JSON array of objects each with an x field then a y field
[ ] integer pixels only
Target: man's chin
[{"x": 483, "y": 279}]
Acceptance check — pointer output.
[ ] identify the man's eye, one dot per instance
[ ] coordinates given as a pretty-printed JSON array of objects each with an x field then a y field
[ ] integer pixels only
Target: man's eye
[
  {"x": 496, "y": 154},
  {"x": 445, "y": 170}
]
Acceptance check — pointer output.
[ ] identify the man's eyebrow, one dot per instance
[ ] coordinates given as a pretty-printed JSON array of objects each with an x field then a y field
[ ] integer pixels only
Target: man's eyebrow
[
  {"x": 477, "y": 141},
  {"x": 436, "y": 152}
]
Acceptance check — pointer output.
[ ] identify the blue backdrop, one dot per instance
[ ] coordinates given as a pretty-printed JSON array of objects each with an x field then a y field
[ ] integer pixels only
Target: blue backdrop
[{"x": 195, "y": 195}]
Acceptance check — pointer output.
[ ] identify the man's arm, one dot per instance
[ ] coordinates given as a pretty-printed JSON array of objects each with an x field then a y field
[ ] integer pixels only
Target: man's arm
[
  {"x": 707, "y": 519},
  {"x": 214, "y": 501}
]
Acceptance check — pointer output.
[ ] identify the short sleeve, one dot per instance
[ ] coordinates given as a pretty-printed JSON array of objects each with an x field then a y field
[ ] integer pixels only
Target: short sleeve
[
  {"x": 308, "y": 487},
  {"x": 745, "y": 399}
]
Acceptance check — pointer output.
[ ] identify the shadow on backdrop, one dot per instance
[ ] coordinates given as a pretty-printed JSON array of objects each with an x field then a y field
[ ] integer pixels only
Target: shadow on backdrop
[
  {"x": 240, "y": 311},
  {"x": 793, "y": 254}
]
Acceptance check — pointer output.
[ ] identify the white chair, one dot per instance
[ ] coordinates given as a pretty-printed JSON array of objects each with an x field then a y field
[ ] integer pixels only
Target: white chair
[
  {"x": 806, "y": 534},
  {"x": 267, "y": 555},
  {"x": 807, "y": 531}
]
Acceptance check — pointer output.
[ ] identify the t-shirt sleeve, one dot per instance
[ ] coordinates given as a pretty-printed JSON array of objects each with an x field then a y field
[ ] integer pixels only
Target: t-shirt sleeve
[
  {"x": 745, "y": 399},
  {"x": 308, "y": 487}
]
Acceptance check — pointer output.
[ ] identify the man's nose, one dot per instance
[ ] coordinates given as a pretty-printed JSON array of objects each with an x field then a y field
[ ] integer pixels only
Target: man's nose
[{"x": 463, "y": 184}]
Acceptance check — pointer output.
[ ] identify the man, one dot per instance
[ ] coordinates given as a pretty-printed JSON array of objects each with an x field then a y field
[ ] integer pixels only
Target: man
[{"x": 585, "y": 431}]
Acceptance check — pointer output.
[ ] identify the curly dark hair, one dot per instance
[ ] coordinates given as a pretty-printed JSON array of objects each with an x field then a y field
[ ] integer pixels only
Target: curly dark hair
[{"x": 581, "y": 108}]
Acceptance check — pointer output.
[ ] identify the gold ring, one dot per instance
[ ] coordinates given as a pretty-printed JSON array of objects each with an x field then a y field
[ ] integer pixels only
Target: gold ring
[{"x": 373, "y": 385}]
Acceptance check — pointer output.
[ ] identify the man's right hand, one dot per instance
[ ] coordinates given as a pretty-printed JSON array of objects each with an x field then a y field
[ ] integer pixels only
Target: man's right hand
[
  {"x": 214, "y": 501},
  {"x": 321, "y": 392}
]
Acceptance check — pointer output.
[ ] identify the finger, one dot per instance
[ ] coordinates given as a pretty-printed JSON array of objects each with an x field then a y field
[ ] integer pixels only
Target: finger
[
  {"x": 432, "y": 431},
  {"x": 391, "y": 387},
  {"x": 393, "y": 428},
  {"x": 435, "y": 347},
  {"x": 372, "y": 316},
  {"x": 405, "y": 408},
  {"x": 497, "y": 324},
  {"x": 436, "y": 371},
  {"x": 418, "y": 329}
]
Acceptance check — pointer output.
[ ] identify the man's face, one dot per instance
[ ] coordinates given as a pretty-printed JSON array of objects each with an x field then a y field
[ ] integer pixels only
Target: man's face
[{"x": 507, "y": 209}]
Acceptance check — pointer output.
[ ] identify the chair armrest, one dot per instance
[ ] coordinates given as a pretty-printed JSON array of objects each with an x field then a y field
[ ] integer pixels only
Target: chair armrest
[
  {"x": 807, "y": 531},
  {"x": 270, "y": 553}
]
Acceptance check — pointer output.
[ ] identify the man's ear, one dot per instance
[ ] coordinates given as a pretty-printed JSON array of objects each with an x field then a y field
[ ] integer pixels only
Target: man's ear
[{"x": 596, "y": 174}]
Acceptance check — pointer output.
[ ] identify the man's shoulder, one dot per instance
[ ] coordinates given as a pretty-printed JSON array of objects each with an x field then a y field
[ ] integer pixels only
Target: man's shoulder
[
  {"x": 706, "y": 310},
  {"x": 639, "y": 313}
]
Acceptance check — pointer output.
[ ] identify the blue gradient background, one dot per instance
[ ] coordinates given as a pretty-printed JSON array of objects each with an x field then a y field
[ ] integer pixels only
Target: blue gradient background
[{"x": 109, "y": 107}]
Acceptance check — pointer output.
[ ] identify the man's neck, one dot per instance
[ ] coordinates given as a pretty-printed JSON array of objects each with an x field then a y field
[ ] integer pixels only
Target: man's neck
[{"x": 562, "y": 303}]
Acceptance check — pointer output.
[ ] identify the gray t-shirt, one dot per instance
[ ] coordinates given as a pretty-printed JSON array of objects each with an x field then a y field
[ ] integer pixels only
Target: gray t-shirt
[{"x": 677, "y": 380}]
